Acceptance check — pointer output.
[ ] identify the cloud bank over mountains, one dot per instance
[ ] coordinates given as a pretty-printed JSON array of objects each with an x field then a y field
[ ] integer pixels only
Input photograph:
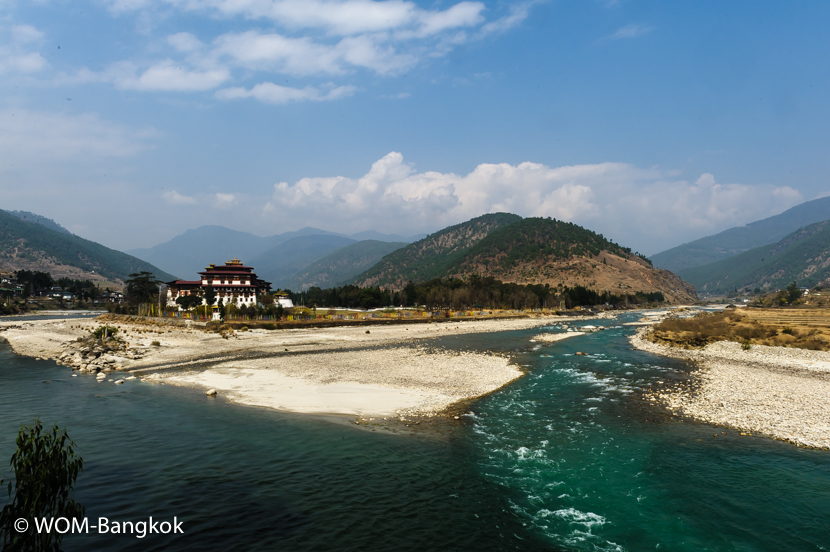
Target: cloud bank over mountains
[{"x": 648, "y": 208}]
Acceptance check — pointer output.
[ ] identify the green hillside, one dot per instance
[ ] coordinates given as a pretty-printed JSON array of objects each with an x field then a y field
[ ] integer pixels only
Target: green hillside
[
  {"x": 432, "y": 256},
  {"x": 532, "y": 240},
  {"x": 24, "y": 244},
  {"x": 343, "y": 265},
  {"x": 802, "y": 256},
  {"x": 743, "y": 238},
  {"x": 43, "y": 221}
]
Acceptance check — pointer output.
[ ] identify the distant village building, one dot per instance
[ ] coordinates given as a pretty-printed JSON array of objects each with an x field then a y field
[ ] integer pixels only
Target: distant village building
[
  {"x": 113, "y": 297},
  {"x": 233, "y": 283}
]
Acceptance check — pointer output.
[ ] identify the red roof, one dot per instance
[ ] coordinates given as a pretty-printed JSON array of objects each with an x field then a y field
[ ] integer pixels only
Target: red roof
[{"x": 231, "y": 270}]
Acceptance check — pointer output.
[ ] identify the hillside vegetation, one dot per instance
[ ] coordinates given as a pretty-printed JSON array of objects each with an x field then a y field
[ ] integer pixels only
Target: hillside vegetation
[
  {"x": 343, "y": 265},
  {"x": 533, "y": 251},
  {"x": 37, "y": 219},
  {"x": 471, "y": 293},
  {"x": 742, "y": 238},
  {"x": 534, "y": 240},
  {"x": 802, "y": 256},
  {"x": 431, "y": 257},
  {"x": 27, "y": 245},
  {"x": 557, "y": 253}
]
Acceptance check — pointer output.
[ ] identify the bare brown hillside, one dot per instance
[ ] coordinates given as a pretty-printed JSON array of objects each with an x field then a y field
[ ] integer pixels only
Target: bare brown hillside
[
  {"x": 603, "y": 272},
  {"x": 23, "y": 258}
]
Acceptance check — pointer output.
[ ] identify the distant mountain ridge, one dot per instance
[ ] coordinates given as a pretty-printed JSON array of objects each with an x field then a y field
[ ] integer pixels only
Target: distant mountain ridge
[
  {"x": 188, "y": 253},
  {"x": 802, "y": 256},
  {"x": 26, "y": 245},
  {"x": 742, "y": 238},
  {"x": 341, "y": 266},
  {"x": 281, "y": 262}
]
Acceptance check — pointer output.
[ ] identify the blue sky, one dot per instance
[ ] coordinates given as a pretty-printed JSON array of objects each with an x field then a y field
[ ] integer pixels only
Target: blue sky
[{"x": 130, "y": 121}]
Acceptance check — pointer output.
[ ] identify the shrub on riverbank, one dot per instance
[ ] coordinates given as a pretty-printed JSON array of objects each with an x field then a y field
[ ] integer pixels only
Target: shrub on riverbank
[{"x": 705, "y": 328}]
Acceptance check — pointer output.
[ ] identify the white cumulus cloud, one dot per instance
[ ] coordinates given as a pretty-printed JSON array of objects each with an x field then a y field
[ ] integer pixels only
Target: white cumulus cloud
[
  {"x": 16, "y": 54},
  {"x": 308, "y": 38},
  {"x": 176, "y": 198},
  {"x": 335, "y": 17},
  {"x": 645, "y": 208},
  {"x": 167, "y": 75},
  {"x": 268, "y": 92},
  {"x": 225, "y": 200},
  {"x": 631, "y": 31}
]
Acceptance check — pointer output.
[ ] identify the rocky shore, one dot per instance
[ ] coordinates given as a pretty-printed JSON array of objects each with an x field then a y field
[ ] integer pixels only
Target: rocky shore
[
  {"x": 776, "y": 391},
  {"x": 379, "y": 371}
]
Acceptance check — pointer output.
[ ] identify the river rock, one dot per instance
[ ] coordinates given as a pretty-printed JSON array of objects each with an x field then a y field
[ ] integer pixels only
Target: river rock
[
  {"x": 211, "y": 392},
  {"x": 119, "y": 382}
]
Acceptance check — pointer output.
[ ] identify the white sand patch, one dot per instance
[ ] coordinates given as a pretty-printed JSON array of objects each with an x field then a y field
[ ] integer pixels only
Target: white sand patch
[
  {"x": 554, "y": 337},
  {"x": 272, "y": 389},
  {"x": 367, "y": 382}
]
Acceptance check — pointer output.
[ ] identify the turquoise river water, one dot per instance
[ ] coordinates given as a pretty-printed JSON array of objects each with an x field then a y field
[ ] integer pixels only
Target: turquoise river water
[{"x": 566, "y": 458}]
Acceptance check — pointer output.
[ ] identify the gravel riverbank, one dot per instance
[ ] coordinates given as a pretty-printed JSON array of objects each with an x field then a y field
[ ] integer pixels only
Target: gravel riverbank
[{"x": 777, "y": 391}]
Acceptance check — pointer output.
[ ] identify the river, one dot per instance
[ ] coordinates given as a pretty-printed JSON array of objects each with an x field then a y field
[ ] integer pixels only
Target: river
[{"x": 566, "y": 458}]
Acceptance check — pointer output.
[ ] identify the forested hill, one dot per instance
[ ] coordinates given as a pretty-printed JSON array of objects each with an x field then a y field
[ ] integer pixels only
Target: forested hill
[
  {"x": 430, "y": 257},
  {"x": 530, "y": 251},
  {"x": 803, "y": 257},
  {"x": 536, "y": 241},
  {"x": 32, "y": 246},
  {"x": 553, "y": 252}
]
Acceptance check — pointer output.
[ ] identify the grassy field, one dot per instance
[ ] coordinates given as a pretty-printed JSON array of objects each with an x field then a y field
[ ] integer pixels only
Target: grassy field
[{"x": 800, "y": 328}]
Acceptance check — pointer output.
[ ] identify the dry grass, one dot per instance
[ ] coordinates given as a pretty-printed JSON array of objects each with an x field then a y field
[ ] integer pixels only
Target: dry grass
[{"x": 756, "y": 327}]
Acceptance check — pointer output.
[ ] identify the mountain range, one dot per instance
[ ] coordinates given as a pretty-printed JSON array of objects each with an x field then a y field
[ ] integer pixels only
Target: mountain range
[
  {"x": 502, "y": 246},
  {"x": 742, "y": 238},
  {"x": 277, "y": 258},
  {"x": 802, "y": 256}
]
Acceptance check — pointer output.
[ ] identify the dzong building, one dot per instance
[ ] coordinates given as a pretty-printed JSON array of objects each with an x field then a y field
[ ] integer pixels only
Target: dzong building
[{"x": 233, "y": 283}]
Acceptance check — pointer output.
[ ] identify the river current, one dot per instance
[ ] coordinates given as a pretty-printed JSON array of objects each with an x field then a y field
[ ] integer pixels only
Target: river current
[{"x": 568, "y": 457}]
